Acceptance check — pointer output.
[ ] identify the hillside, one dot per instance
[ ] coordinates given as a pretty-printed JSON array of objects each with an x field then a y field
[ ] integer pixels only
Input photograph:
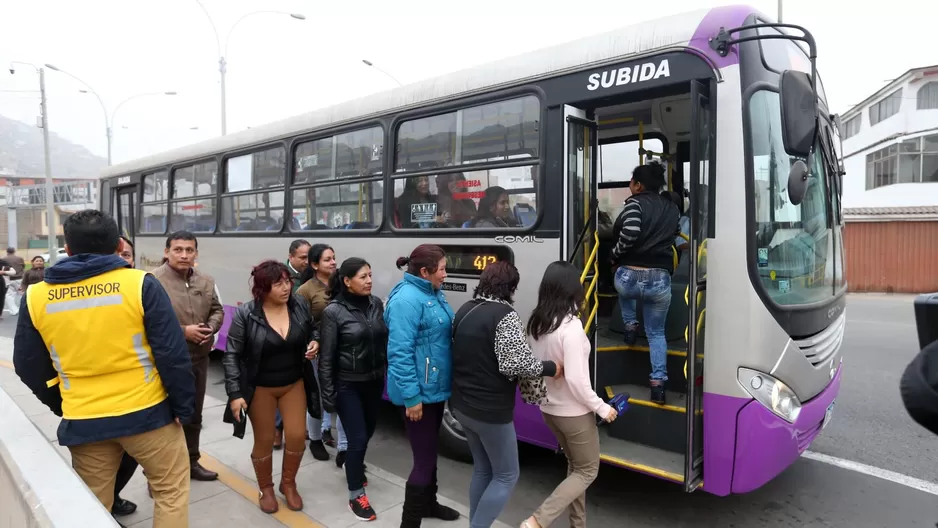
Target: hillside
[{"x": 21, "y": 153}]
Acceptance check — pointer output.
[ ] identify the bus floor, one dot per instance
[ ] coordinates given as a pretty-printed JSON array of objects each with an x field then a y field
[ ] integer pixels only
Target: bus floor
[{"x": 232, "y": 499}]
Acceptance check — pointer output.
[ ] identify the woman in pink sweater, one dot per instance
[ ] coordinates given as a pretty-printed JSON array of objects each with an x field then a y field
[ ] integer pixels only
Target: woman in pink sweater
[{"x": 556, "y": 334}]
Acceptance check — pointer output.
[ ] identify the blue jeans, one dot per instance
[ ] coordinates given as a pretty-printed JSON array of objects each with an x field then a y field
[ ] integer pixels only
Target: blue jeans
[
  {"x": 495, "y": 468},
  {"x": 358, "y": 404},
  {"x": 653, "y": 287},
  {"x": 316, "y": 428}
]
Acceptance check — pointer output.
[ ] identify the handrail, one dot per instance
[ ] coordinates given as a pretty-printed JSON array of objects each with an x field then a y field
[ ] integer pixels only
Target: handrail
[{"x": 593, "y": 289}]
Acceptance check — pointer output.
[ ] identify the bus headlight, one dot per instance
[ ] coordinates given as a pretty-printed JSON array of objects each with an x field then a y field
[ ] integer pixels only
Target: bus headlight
[{"x": 770, "y": 392}]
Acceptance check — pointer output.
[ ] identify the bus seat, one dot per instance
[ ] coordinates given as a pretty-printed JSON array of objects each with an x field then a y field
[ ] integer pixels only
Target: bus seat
[
  {"x": 467, "y": 224},
  {"x": 525, "y": 214},
  {"x": 295, "y": 224}
]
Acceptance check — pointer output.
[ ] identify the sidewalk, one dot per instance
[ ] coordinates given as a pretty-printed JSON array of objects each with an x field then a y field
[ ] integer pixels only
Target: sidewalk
[{"x": 232, "y": 500}]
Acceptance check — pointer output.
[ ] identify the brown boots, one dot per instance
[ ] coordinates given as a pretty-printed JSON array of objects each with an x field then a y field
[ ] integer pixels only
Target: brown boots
[
  {"x": 263, "y": 469},
  {"x": 291, "y": 464}
]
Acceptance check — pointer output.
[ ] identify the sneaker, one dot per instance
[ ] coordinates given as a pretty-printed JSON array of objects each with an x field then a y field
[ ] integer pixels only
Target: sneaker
[
  {"x": 328, "y": 439},
  {"x": 631, "y": 333},
  {"x": 318, "y": 450},
  {"x": 361, "y": 508},
  {"x": 340, "y": 459},
  {"x": 657, "y": 392}
]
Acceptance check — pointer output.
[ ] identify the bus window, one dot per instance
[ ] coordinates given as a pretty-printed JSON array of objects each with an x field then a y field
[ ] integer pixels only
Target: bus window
[
  {"x": 618, "y": 161},
  {"x": 323, "y": 196},
  {"x": 188, "y": 211},
  {"x": 507, "y": 196},
  {"x": 490, "y": 132},
  {"x": 153, "y": 207},
  {"x": 343, "y": 206},
  {"x": 261, "y": 210}
]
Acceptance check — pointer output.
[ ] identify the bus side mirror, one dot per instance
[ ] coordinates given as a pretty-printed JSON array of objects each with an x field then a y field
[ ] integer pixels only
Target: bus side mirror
[
  {"x": 799, "y": 113},
  {"x": 797, "y": 182}
]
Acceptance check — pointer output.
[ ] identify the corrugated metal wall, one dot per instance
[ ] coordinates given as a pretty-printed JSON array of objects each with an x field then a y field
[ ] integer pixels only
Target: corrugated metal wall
[{"x": 900, "y": 257}]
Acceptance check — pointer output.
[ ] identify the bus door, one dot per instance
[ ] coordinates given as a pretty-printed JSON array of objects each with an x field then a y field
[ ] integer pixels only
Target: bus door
[
  {"x": 701, "y": 153},
  {"x": 581, "y": 242},
  {"x": 124, "y": 210}
]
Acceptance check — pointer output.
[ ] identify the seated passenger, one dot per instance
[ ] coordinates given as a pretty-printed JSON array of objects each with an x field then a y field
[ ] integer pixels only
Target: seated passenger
[
  {"x": 416, "y": 207},
  {"x": 455, "y": 211},
  {"x": 494, "y": 210},
  {"x": 643, "y": 262}
]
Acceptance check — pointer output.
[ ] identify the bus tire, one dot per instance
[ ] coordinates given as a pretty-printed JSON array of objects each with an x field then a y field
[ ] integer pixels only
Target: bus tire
[{"x": 453, "y": 442}]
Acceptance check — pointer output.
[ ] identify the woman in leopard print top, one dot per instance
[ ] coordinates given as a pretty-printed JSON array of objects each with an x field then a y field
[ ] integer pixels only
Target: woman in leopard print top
[{"x": 490, "y": 357}]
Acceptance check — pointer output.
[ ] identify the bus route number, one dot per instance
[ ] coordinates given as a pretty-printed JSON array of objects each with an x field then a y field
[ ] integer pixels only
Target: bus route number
[{"x": 481, "y": 261}]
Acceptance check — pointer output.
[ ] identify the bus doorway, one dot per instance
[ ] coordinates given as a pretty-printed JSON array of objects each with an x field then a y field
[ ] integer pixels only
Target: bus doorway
[{"x": 604, "y": 145}]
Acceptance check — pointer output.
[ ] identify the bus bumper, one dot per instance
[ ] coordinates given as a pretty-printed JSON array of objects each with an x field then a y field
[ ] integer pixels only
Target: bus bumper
[{"x": 766, "y": 444}]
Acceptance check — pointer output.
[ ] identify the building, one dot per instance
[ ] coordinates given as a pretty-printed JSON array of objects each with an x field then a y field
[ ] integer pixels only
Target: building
[{"x": 890, "y": 195}]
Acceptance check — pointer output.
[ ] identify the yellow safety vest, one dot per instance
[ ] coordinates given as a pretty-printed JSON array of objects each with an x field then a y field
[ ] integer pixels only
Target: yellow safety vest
[{"x": 94, "y": 332}]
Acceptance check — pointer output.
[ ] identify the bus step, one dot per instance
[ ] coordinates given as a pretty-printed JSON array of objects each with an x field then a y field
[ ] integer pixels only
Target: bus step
[
  {"x": 647, "y": 423},
  {"x": 633, "y": 367}
]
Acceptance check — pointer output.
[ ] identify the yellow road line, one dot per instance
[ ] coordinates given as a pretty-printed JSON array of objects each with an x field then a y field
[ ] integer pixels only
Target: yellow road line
[
  {"x": 243, "y": 487},
  {"x": 248, "y": 490}
]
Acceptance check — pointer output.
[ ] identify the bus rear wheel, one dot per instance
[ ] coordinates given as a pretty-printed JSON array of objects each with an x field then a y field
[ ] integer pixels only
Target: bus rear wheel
[{"x": 453, "y": 441}]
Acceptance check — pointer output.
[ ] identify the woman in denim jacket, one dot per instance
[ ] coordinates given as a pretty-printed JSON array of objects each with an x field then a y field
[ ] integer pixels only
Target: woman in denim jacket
[{"x": 419, "y": 379}]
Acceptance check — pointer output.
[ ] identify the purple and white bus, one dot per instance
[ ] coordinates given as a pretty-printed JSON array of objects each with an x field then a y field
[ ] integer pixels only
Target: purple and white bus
[{"x": 727, "y": 100}]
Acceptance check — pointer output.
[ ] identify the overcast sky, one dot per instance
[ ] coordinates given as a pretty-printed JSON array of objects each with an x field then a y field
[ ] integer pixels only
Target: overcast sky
[{"x": 279, "y": 66}]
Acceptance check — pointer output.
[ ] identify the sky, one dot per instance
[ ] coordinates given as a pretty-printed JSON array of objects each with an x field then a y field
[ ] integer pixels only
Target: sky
[{"x": 279, "y": 66}]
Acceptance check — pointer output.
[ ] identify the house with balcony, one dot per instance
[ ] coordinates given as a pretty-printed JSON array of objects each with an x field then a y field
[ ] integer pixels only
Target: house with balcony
[{"x": 890, "y": 190}]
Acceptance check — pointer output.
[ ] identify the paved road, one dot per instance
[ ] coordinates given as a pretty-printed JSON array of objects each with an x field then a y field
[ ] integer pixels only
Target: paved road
[{"x": 869, "y": 427}]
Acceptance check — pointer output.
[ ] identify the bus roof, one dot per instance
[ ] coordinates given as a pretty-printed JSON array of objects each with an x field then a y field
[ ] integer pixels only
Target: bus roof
[{"x": 690, "y": 29}]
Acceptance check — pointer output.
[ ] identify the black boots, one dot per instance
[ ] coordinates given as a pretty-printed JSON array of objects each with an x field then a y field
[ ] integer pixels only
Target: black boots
[
  {"x": 420, "y": 502},
  {"x": 414, "y": 505},
  {"x": 433, "y": 509}
]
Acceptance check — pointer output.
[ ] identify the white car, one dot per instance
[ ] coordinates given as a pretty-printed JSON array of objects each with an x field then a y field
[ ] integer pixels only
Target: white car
[{"x": 60, "y": 254}]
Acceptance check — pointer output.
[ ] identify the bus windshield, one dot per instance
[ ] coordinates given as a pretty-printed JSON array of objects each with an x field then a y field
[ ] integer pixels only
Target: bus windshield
[{"x": 794, "y": 243}]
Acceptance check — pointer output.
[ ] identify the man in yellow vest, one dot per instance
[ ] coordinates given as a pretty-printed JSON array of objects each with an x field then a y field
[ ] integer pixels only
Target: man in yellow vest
[{"x": 98, "y": 343}]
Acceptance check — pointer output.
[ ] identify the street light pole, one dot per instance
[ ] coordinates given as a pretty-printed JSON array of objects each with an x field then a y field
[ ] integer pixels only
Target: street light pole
[
  {"x": 372, "y": 65},
  {"x": 223, "y": 64},
  {"x": 780, "y": 11},
  {"x": 50, "y": 187}
]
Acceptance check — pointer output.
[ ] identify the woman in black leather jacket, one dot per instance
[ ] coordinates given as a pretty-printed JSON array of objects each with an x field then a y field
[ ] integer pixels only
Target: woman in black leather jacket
[
  {"x": 353, "y": 360},
  {"x": 266, "y": 369}
]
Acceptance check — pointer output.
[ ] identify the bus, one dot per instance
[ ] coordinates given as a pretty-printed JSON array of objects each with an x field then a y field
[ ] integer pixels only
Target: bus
[{"x": 727, "y": 100}]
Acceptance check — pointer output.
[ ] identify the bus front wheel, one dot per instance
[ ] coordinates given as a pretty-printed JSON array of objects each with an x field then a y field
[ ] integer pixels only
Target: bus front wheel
[{"x": 452, "y": 437}]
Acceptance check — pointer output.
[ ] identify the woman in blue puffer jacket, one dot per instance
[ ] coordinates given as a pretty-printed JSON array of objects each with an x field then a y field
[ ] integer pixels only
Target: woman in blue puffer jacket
[{"x": 420, "y": 361}]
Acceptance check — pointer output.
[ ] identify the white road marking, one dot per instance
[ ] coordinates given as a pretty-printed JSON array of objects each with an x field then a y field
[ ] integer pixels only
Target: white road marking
[{"x": 885, "y": 474}]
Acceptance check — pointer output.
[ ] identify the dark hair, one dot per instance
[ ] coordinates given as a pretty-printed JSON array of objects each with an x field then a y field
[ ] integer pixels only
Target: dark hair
[
  {"x": 559, "y": 295},
  {"x": 498, "y": 281},
  {"x": 129, "y": 243},
  {"x": 489, "y": 198},
  {"x": 297, "y": 244},
  {"x": 314, "y": 255},
  {"x": 11, "y": 250},
  {"x": 676, "y": 198},
  {"x": 650, "y": 175},
  {"x": 423, "y": 256},
  {"x": 91, "y": 231},
  {"x": 181, "y": 235},
  {"x": 33, "y": 276},
  {"x": 38, "y": 257},
  {"x": 264, "y": 276},
  {"x": 349, "y": 268}
]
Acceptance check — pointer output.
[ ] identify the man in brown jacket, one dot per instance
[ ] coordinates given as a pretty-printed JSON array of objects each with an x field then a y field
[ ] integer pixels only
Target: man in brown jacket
[{"x": 200, "y": 315}]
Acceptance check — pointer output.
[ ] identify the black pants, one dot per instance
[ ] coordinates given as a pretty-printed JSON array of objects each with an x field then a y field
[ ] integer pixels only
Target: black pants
[
  {"x": 194, "y": 427},
  {"x": 358, "y": 403},
  {"x": 124, "y": 473},
  {"x": 3, "y": 294}
]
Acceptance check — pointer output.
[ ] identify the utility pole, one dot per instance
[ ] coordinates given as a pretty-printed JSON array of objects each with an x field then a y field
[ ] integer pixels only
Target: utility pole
[
  {"x": 780, "y": 11},
  {"x": 50, "y": 187}
]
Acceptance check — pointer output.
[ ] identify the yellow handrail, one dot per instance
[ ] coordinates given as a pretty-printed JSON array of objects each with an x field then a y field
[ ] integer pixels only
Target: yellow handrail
[
  {"x": 593, "y": 290},
  {"x": 589, "y": 261}
]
